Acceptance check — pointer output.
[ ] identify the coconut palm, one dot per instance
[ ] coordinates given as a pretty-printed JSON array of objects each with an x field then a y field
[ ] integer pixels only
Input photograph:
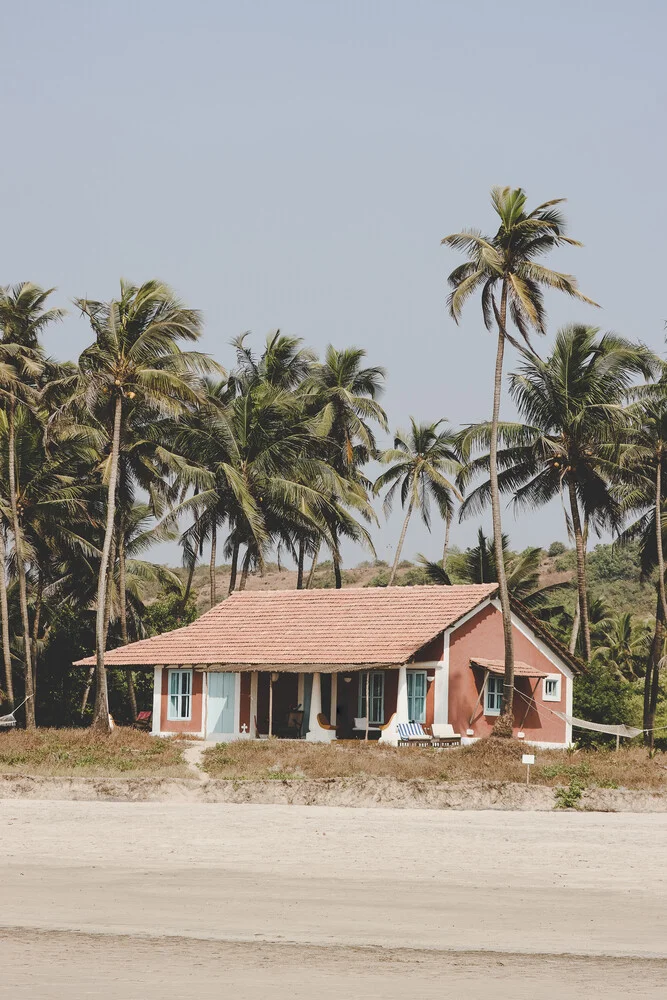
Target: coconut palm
[
  {"x": 642, "y": 486},
  {"x": 574, "y": 406},
  {"x": 423, "y": 459},
  {"x": 23, "y": 318},
  {"x": 508, "y": 264},
  {"x": 135, "y": 356},
  {"x": 624, "y": 644}
]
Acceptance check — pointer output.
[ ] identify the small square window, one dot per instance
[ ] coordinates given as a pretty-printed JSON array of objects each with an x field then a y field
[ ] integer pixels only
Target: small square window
[{"x": 552, "y": 688}]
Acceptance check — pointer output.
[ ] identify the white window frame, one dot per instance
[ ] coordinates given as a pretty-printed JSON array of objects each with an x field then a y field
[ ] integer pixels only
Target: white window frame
[
  {"x": 498, "y": 681},
  {"x": 176, "y": 698},
  {"x": 412, "y": 674},
  {"x": 375, "y": 698},
  {"x": 559, "y": 682}
]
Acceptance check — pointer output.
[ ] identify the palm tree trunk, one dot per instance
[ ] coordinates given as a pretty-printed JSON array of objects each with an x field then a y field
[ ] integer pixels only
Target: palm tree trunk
[
  {"x": 234, "y": 568},
  {"x": 20, "y": 570},
  {"x": 299, "y": 566},
  {"x": 245, "y": 570},
  {"x": 4, "y": 617},
  {"x": 658, "y": 536},
  {"x": 188, "y": 585},
  {"x": 652, "y": 671},
  {"x": 101, "y": 714},
  {"x": 211, "y": 569},
  {"x": 399, "y": 547},
  {"x": 574, "y": 635},
  {"x": 311, "y": 574},
  {"x": 35, "y": 628},
  {"x": 508, "y": 685},
  {"x": 338, "y": 576},
  {"x": 122, "y": 600},
  {"x": 581, "y": 570},
  {"x": 448, "y": 527}
]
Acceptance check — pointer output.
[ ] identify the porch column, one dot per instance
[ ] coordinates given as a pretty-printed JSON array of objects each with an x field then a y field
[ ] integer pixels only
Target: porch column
[
  {"x": 402, "y": 696},
  {"x": 157, "y": 701},
  {"x": 390, "y": 734},
  {"x": 316, "y": 734},
  {"x": 254, "y": 679},
  {"x": 315, "y": 702}
]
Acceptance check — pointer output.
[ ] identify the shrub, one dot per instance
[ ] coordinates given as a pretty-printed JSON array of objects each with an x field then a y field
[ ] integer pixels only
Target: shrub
[
  {"x": 570, "y": 797},
  {"x": 556, "y": 549}
]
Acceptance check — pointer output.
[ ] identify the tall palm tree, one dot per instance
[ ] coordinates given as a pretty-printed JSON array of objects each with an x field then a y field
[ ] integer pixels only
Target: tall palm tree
[
  {"x": 422, "y": 461},
  {"x": 507, "y": 264},
  {"x": 573, "y": 403},
  {"x": 343, "y": 402},
  {"x": 136, "y": 355},
  {"x": 642, "y": 489},
  {"x": 23, "y": 318}
]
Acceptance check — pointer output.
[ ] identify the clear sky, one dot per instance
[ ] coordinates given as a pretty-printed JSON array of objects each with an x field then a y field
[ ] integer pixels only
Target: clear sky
[{"x": 295, "y": 163}]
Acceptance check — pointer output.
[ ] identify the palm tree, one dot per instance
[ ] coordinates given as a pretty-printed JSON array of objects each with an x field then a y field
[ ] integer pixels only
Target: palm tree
[
  {"x": 507, "y": 262},
  {"x": 343, "y": 402},
  {"x": 478, "y": 565},
  {"x": 642, "y": 486},
  {"x": 423, "y": 459},
  {"x": 573, "y": 402},
  {"x": 623, "y": 644},
  {"x": 136, "y": 355},
  {"x": 23, "y": 318}
]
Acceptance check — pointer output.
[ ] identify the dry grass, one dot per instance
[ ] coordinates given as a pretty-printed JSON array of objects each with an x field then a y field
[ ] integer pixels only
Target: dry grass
[
  {"x": 83, "y": 752},
  {"x": 487, "y": 760}
]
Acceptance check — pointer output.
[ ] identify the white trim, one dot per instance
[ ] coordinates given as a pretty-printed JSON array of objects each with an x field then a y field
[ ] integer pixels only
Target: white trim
[
  {"x": 542, "y": 646},
  {"x": 470, "y": 614},
  {"x": 204, "y": 701},
  {"x": 441, "y": 681},
  {"x": 157, "y": 701},
  {"x": 569, "y": 696},
  {"x": 467, "y": 741},
  {"x": 558, "y": 678}
]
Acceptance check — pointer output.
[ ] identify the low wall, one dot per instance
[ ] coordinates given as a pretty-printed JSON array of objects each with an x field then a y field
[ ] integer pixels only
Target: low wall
[{"x": 368, "y": 792}]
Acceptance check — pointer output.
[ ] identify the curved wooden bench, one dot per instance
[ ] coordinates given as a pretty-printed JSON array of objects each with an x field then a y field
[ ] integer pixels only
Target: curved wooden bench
[{"x": 324, "y": 723}]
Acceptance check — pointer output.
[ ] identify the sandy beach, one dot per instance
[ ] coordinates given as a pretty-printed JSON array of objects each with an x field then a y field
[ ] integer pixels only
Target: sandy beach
[{"x": 136, "y": 899}]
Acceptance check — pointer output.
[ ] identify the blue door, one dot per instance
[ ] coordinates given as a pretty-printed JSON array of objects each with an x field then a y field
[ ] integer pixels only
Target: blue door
[{"x": 221, "y": 690}]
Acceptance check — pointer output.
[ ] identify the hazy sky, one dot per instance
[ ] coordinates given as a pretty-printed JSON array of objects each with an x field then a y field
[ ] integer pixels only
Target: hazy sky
[{"x": 295, "y": 164}]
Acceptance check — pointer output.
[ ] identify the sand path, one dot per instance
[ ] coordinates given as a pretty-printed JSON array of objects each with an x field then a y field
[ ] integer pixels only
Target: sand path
[{"x": 209, "y": 898}]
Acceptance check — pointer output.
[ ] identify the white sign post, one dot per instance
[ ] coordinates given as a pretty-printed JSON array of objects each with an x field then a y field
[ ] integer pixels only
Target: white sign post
[{"x": 528, "y": 759}]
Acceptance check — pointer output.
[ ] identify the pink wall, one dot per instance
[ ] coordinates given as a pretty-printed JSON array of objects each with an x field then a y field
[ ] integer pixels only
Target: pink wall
[
  {"x": 191, "y": 725},
  {"x": 483, "y": 636}
]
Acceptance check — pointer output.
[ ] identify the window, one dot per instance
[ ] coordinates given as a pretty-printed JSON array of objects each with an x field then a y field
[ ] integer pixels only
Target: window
[
  {"x": 180, "y": 694},
  {"x": 417, "y": 695},
  {"x": 552, "y": 688},
  {"x": 377, "y": 697},
  {"x": 494, "y": 695}
]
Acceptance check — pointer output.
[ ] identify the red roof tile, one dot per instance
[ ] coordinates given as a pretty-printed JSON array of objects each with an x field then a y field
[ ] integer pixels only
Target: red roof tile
[{"x": 375, "y": 625}]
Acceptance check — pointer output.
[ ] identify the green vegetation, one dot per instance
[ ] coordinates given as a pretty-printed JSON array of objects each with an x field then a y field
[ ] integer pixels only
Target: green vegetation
[{"x": 261, "y": 458}]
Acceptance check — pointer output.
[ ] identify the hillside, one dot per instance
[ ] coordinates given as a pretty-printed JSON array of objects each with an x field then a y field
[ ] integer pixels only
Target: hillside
[{"x": 614, "y": 578}]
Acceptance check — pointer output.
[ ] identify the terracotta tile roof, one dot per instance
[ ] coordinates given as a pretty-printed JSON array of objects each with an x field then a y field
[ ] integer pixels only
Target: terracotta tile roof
[
  {"x": 375, "y": 625},
  {"x": 498, "y": 667}
]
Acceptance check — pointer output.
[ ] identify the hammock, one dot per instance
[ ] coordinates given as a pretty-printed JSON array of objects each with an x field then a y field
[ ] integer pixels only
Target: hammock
[
  {"x": 9, "y": 721},
  {"x": 627, "y": 731}
]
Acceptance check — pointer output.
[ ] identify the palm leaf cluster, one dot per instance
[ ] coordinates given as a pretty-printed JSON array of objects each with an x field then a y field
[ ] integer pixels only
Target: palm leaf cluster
[{"x": 145, "y": 440}]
